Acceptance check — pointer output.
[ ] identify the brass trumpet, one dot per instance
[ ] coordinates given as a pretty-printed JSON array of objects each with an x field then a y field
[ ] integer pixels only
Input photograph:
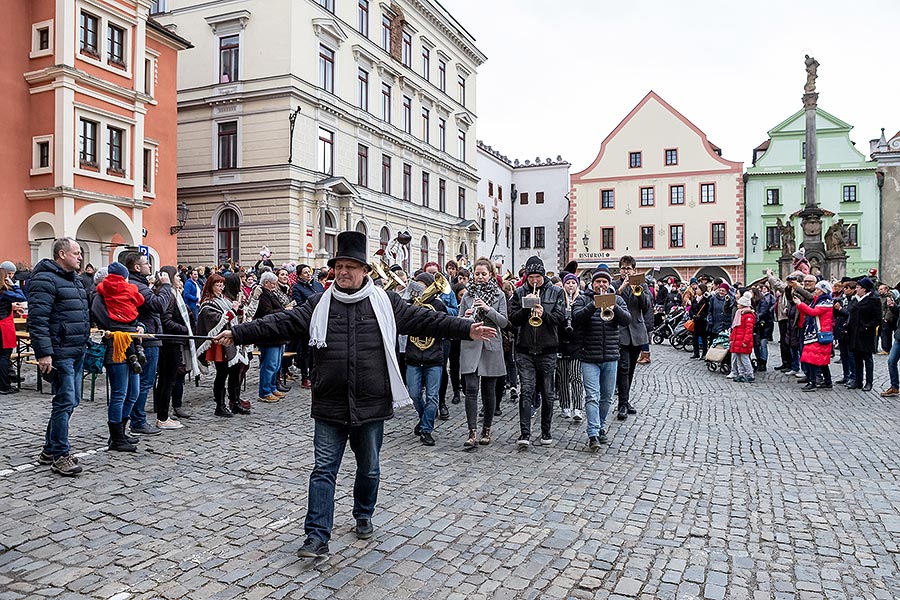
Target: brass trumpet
[
  {"x": 636, "y": 281},
  {"x": 605, "y": 302},
  {"x": 534, "y": 320}
]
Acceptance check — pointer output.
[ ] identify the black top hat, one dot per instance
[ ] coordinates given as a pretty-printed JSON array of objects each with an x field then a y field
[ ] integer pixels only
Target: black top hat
[{"x": 351, "y": 245}]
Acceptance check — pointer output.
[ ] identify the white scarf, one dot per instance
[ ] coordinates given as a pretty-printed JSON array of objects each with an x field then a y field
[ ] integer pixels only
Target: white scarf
[
  {"x": 384, "y": 314},
  {"x": 183, "y": 311}
]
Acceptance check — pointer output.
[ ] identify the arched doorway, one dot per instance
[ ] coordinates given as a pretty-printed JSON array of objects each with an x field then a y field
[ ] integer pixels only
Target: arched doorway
[
  {"x": 228, "y": 237},
  {"x": 423, "y": 251},
  {"x": 667, "y": 272},
  {"x": 463, "y": 250},
  {"x": 95, "y": 235},
  {"x": 41, "y": 238}
]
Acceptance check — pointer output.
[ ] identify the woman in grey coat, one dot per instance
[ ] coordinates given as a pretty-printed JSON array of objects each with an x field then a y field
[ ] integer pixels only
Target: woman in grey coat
[{"x": 482, "y": 362}]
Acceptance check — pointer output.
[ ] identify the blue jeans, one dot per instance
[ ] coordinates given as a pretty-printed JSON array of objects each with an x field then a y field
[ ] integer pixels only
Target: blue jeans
[
  {"x": 599, "y": 386},
  {"x": 430, "y": 378},
  {"x": 329, "y": 443},
  {"x": 124, "y": 388},
  {"x": 269, "y": 365},
  {"x": 148, "y": 380},
  {"x": 893, "y": 359},
  {"x": 795, "y": 358},
  {"x": 848, "y": 362},
  {"x": 66, "y": 396}
]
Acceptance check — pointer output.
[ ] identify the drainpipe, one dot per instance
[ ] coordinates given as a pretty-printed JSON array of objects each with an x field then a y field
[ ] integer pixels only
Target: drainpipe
[
  {"x": 513, "y": 196},
  {"x": 744, "y": 178},
  {"x": 879, "y": 179}
]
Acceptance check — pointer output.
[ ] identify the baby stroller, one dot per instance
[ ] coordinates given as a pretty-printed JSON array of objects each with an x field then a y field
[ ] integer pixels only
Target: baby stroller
[
  {"x": 718, "y": 357},
  {"x": 682, "y": 338},
  {"x": 666, "y": 328}
]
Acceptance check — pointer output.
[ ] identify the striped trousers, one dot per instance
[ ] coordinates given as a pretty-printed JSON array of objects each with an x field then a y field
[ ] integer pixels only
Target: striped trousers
[{"x": 569, "y": 385}]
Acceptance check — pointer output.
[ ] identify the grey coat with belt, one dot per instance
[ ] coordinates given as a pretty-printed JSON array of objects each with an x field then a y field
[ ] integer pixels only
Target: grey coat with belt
[{"x": 485, "y": 359}]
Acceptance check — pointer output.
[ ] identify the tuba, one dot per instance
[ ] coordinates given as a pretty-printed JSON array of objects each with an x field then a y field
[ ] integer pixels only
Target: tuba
[
  {"x": 605, "y": 302},
  {"x": 534, "y": 320},
  {"x": 422, "y": 300},
  {"x": 391, "y": 279},
  {"x": 636, "y": 283}
]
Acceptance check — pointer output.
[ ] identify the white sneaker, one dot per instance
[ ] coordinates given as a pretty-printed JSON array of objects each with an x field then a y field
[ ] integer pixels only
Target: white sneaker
[
  {"x": 730, "y": 375},
  {"x": 170, "y": 423},
  {"x": 799, "y": 375},
  {"x": 578, "y": 416},
  {"x": 566, "y": 413},
  {"x": 790, "y": 373}
]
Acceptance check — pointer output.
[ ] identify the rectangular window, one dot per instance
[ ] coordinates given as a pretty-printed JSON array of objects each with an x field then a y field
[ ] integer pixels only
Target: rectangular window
[
  {"x": 676, "y": 194},
  {"x": 148, "y": 76},
  {"x": 426, "y": 189},
  {"x": 490, "y": 189},
  {"x": 539, "y": 197},
  {"x": 426, "y": 125},
  {"x": 524, "y": 237},
  {"x": 676, "y": 236},
  {"x": 647, "y": 237},
  {"x": 773, "y": 197},
  {"x": 803, "y": 151},
  {"x": 326, "y": 68},
  {"x": 442, "y": 135},
  {"x": 115, "y": 140},
  {"x": 43, "y": 152},
  {"x": 115, "y": 45},
  {"x": 406, "y": 49},
  {"x": 717, "y": 237},
  {"x": 87, "y": 143},
  {"x": 362, "y": 17},
  {"x": 523, "y": 198},
  {"x": 442, "y": 75},
  {"x": 326, "y": 151},
  {"x": 442, "y": 195},
  {"x": 229, "y": 52},
  {"x": 362, "y": 89},
  {"x": 362, "y": 165},
  {"x": 407, "y": 114},
  {"x": 607, "y": 238},
  {"x": 157, "y": 6},
  {"x": 849, "y": 193},
  {"x": 386, "y": 33},
  {"x": 482, "y": 224},
  {"x": 426, "y": 63},
  {"x": 462, "y": 145},
  {"x": 386, "y": 174},
  {"x": 607, "y": 198},
  {"x": 462, "y": 90},
  {"x": 89, "y": 32},
  {"x": 499, "y": 192},
  {"x": 539, "y": 237},
  {"x": 407, "y": 182},
  {"x": 44, "y": 38},
  {"x": 853, "y": 235},
  {"x": 647, "y": 196},
  {"x": 385, "y": 103},
  {"x": 461, "y": 202},
  {"x": 148, "y": 170},
  {"x": 328, "y": 4},
  {"x": 634, "y": 160},
  {"x": 773, "y": 238},
  {"x": 228, "y": 145},
  {"x": 707, "y": 193},
  {"x": 671, "y": 157}
]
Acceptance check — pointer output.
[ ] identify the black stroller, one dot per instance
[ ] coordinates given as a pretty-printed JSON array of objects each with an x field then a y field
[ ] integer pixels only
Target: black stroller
[{"x": 666, "y": 328}]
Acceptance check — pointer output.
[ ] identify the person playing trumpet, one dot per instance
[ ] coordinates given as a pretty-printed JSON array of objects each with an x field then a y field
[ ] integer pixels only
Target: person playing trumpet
[
  {"x": 635, "y": 335},
  {"x": 599, "y": 353},
  {"x": 536, "y": 346}
]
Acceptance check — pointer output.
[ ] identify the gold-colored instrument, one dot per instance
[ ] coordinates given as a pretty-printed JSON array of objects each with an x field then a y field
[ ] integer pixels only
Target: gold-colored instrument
[
  {"x": 509, "y": 276},
  {"x": 422, "y": 300},
  {"x": 636, "y": 283},
  {"x": 605, "y": 302},
  {"x": 534, "y": 320},
  {"x": 381, "y": 271}
]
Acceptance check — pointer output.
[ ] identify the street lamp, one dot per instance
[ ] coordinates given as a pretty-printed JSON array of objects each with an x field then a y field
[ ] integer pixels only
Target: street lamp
[
  {"x": 754, "y": 239},
  {"x": 183, "y": 212},
  {"x": 586, "y": 239}
]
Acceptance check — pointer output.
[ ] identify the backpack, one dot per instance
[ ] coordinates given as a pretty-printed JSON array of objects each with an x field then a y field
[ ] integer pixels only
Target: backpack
[{"x": 94, "y": 357}]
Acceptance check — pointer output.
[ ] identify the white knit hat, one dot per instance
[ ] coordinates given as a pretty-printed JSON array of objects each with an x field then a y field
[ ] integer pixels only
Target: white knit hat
[{"x": 745, "y": 300}]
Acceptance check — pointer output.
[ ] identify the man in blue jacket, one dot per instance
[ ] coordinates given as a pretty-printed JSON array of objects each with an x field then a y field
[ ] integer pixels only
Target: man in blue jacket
[{"x": 59, "y": 324}]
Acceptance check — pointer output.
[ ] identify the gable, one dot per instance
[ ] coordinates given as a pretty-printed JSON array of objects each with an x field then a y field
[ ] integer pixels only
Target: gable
[{"x": 796, "y": 124}]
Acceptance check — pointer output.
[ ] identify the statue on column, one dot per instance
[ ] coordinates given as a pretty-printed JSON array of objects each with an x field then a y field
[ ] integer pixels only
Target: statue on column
[
  {"x": 811, "y": 65},
  {"x": 788, "y": 239},
  {"x": 836, "y": 239}
]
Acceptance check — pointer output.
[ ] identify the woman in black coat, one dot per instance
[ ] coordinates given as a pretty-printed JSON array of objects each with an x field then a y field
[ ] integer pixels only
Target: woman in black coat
[
  {"x": 865, "y": 317},
  {"x": 171, "y": 361},
  {"x": 699, "y": 310}
]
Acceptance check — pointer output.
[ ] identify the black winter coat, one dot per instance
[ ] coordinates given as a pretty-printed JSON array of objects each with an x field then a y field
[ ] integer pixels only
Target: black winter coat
[
  {"x": 302, "y": 291},
  {"x": 155, "y": 304},
  {"x": 431, "y": 356},
  {"x": 268, "y": 304},
  {"x": 58, "y": 318},
  {"x": 599, "y": 338},
  {"x": 350, "y": 383},
  {"x": 865, "y": 317},
  {"x": 172, "y": 322},
  {"x": 841, "y": 314},
  {"x": 543, "y": 339}
]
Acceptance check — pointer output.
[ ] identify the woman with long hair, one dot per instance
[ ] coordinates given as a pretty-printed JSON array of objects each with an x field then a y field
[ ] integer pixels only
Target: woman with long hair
[
  {"x": 9, "y": 294},
  {"x": 699, "y": 310},
  {"x": 170, "y": 354},
  {"x": 234, "y": 293}
]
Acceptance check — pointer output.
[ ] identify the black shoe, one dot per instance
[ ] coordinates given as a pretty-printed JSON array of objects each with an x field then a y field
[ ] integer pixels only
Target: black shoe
[
  {"x": 443, "y": 412},
  {"x": 427, "y": 440},
  {"x": 284, "y": 389},
  {"x": 809, "y": 387},
  {"x": 867, "y": 387},
  {"x": 9, "y": 391},
  {"x": 223, "y": 411},
  {"x": 825, "y": 386},
  {"x": 364, "y": 529},
  {"x": 313, "y": 548},
  {"x": 523, "y": 442},
  {"x": 783, "y": 368},
  {"x": 630, "y": 410},
  {"x": 852, "y": 385},
  {"x": 841, "y": 381},
  {"x": 602, "y": 436},
  {"x": 803, "y": 380},
  {"x": 455, "y": 399},
  {"x": 594, "y": 443},
  {"x": 622, "y": 414},
  {"x": 417, "y": 430},
  {"x": 497, "y": 412}
]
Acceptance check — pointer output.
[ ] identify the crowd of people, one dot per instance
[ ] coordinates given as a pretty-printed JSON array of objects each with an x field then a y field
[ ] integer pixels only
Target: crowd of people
[{"x": 462, "y": 330}]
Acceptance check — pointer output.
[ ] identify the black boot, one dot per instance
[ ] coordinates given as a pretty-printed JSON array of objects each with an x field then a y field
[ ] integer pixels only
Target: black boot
[
  {"x": 443, "y": 411},
  {"x": 117, "y": 439},
  {"x": 221, "y": 409},
  {"x": 761, "y": 366},
  {"x": 128, "y": 438}
]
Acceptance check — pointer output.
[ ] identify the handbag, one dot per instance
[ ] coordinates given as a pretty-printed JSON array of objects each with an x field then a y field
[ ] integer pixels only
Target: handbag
[
  {"x": 818, "y": 336},
  {"x": 689, "y": 325}
]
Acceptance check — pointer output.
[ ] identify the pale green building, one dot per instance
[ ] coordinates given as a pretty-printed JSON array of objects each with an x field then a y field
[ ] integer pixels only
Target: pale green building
[{"x": 776, "y": 187}]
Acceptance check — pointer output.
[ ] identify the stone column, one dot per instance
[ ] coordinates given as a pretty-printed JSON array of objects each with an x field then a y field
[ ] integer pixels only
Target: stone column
[{"x": 811, "y": 215}]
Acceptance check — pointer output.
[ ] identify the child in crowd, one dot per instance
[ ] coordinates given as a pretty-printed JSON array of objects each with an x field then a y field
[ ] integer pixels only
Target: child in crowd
[{"x": 122, "y": 300}]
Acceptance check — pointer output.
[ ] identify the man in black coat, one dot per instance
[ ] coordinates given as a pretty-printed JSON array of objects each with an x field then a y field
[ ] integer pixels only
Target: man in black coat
[
  {"x": 633, "y": 336},
  {"x": 59, "y": 324},
  {"x": 865, "y": 316},
  {"x": 356, "y": 379}
]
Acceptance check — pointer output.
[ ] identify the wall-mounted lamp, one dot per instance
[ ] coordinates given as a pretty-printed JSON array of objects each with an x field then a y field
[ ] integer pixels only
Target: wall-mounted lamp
[
  {"x": 754, "y": 239},
  {"x": 586, "y": 239},
  {"x": 183, "y": 212}
]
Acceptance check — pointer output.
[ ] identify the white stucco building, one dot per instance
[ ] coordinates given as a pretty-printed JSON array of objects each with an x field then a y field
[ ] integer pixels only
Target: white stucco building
[
  {"x": 525, "y": 203},
  {"x": 299, "y": 119}
]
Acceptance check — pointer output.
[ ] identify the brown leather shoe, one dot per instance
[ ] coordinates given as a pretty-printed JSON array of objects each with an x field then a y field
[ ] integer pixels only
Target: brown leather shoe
[
  {"x": 278, "y": 394},
  {"x": 485, "y": 436},
  {"x": 644, "y": 358},
  {"x": 890, "y": 392}
]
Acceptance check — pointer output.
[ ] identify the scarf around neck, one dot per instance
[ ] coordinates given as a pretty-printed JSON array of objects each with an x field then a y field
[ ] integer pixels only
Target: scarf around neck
[
  {"x": 183, "y": 311},
  {"x": 384, "y": 314}
]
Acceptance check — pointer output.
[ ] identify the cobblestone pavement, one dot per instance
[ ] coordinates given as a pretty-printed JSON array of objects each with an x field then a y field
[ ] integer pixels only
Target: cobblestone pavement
[{"x": 715, "y": 490}]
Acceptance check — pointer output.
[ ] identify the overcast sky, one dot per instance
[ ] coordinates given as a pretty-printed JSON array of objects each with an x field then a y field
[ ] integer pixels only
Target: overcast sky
[{"x": 561, "y": 75}]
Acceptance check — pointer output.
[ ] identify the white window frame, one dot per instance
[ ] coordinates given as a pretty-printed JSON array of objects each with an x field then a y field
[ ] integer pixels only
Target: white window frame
[
  {"x": 36, "y": 52},
  {"x": 240, "y": 61},
  {"x": 161, "y": 7},
  {"x": 225, "y": 26},
  {"x": 105, "y": 120},
  {"x": 321, "y": 157},
  {"x": 151, "y": 59},
  {"x": 238, "y": 163},
  {"x": 36, "y": 169},
  {"x": 106, "y": 19}
]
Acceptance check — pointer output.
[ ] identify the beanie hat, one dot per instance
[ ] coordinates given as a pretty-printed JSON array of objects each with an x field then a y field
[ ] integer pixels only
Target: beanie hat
[
  {"x": 724, "y": 286},
  {"x": 117, "y": 268},
  {"x": 800, "y": 254},
  {"x": 425, "y": 278},
  {"x": 601, "y": 271},
  {"x": 825, "y": 286},
  {"x": 534, "y": 266},
  {"x": 867, "y": 284},
  {"x": 8, "y": 266},
  {"x": 569, "y": 277},
  {"x": 396, "y": 268},
  {"x": 744, "y": 300}
]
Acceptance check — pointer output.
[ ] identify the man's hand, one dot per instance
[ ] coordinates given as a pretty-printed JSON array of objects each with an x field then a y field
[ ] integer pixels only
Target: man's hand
[
  {"x": 225, "y": 338},
  {"x": 45, "y": 363},
  {"x": 478, "y": 332},
  {"x": 538, "y": 310},
  {"x": 164, "y": 278}
]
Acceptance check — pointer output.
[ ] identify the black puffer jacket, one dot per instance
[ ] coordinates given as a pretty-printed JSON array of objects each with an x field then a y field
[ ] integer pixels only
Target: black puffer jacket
[
  {"x": 599, "y": 338},
  {"x": 155, "y": 304},
  {"x": 58, "y": 318},
  {"x": 350, "y": 380},
  {"x": 172, "y": 321},
  {"x": 433, "y": 355},
  {"x": 543, "y": 339}
]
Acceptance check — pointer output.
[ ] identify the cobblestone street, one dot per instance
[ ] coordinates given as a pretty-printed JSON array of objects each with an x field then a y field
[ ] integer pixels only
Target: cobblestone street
[{"x": 715, "y": 490}]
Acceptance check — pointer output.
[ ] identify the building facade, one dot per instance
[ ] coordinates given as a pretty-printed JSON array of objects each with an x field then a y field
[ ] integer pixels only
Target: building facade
[
  {"x": 91, "y": 152},
  {"x": 527, "y": 206},
  {"x": 300, "y": 119},
  {"x": 661, "y": 192},
  {"x": 776, "y": 188},
  {"x": 886, "y": 153}
]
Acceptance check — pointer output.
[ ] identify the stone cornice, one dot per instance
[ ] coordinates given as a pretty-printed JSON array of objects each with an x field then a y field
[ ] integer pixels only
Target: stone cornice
[
  {"x": 54, "y": 73},
  {"x": 454, "y": 32},
  {"x": 79, "y": 194}
]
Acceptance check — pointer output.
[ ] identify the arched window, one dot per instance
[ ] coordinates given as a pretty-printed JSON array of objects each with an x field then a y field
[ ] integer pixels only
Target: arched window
[
  {"x": 423, "y": 249},
  {"x": 385, "y": 238},
  {"x": 228, "y": 231},
  {"x": 330, "y": 233},
  {"x": 361, "y": 228},
  {"x": 441, "y": 254},
  {"x": 463, "y": 250}
]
